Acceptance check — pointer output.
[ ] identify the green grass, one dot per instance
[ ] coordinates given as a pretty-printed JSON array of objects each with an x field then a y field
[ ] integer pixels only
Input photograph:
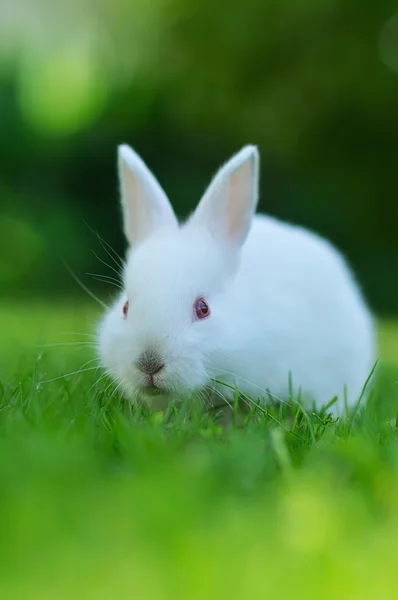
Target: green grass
[{"x": 98, "y": 501}]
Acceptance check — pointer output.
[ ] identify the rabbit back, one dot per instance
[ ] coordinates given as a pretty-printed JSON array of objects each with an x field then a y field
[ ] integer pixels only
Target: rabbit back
[{"x": 302, "y": 316}]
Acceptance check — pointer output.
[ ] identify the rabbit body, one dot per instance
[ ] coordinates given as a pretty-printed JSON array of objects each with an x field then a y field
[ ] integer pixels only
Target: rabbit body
[
  {"x": 231, "y": 299},
  {"x": 301, "y": 315}
]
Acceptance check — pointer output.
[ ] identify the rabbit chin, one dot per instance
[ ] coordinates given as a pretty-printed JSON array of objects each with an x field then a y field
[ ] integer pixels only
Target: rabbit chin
[
  {"x": 159, "y": 399},
  {"x": 156, "y": 400}
]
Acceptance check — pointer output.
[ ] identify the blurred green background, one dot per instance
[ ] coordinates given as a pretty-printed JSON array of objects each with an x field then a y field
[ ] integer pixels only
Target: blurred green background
[
  {"x": 187, "y": 82},
  {"x": 100, "y": 502}
]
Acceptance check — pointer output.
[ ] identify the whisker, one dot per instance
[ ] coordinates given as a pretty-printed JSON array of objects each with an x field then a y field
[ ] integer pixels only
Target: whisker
[
  {"x": 100, "y": 378},
  {"x": 246, "y": 399},
  {"x": 103, "y": 276},
  {"x": 105, "y": 263},
  {"x": 78, "y": 333},
  {"x": 111, "y": 383},
  {"x": 106, "y": 279},
  {"x": 220, "y": 395},
  {"x": 68, "y": 375},
  {"x": 90, "y": 344},
  {"x": 84, "y": 287},
  {"x": 122, "y": 383},
  {"x": 118, "y": 260},
  {"x": 208, "y": 398},
  {"x": 264, "y": 391},
  {"x": 203, "y": 396}
]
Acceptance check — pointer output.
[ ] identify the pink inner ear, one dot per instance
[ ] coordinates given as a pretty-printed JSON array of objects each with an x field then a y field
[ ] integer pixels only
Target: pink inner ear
[
  {"x": 145, "y": 205},
  {"x": 137, "y": 213},
  {"x": 239, "y": 202}
]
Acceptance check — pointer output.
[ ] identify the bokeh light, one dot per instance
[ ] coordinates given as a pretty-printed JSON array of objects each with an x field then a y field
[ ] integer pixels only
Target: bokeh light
[{"x": 389, "y": 43}]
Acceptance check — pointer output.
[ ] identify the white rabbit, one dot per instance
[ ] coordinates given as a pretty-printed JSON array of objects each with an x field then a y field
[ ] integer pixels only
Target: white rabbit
[{"x": 228, "y": 296}]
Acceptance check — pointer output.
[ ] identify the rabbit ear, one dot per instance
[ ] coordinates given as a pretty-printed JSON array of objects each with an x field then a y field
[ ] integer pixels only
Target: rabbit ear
[
  {"x": 230, "y": 201},
  {"x": 144, "y": 203}
]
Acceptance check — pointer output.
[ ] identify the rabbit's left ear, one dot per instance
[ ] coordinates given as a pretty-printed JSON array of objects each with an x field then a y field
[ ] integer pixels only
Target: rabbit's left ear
[
  {"x": 228, "y": 206},
  {"x": 144, "y": 203}
]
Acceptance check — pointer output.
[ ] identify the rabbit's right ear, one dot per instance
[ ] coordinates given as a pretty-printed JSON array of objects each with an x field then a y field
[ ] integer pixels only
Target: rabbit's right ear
[{"x": 144, "y": 203}]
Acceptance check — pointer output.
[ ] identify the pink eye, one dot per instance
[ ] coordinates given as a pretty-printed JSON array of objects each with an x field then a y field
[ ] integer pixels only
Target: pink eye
[
  {"x": 200, "y": 309},
  {"x": 125, "y": 309}
]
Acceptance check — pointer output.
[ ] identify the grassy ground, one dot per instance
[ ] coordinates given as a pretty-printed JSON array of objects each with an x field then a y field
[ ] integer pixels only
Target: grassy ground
[{"x": 101, "y": 502}]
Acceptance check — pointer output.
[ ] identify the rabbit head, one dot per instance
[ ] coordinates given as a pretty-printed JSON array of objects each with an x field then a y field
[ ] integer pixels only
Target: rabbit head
[{"x": 162, "y": 333}]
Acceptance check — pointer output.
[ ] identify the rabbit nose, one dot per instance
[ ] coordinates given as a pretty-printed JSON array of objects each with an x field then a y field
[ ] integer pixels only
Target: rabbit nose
[{"x": 150, "y": 363}]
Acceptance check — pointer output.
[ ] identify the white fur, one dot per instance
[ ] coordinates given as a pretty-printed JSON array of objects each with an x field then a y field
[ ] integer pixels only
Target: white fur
[
  {"x": 145, "y": 205},
  {"x": 282, "y": 299}
]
